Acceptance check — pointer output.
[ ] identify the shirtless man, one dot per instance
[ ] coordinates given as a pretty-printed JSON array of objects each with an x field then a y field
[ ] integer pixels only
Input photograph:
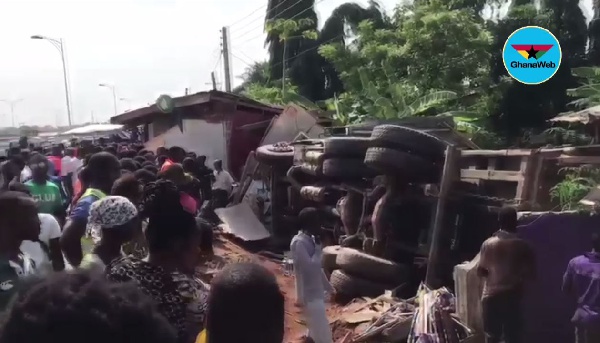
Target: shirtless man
[{"x": 506, "y": 262}]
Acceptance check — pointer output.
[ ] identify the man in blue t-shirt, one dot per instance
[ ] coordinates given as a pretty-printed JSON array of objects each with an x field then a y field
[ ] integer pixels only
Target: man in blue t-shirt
[{"x": 103, "y": 169}]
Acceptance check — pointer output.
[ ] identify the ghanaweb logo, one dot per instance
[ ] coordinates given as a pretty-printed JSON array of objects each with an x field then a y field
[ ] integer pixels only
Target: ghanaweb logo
[{"x": 532, "y": 55}]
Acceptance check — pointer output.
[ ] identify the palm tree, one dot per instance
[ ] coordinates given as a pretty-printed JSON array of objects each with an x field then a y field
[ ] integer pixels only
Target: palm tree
[
  {"x": 285, "y": 10},
  {"x": 256, "y": 73},
  {"x": 315, "y": 77},
  {"x": 594, "y": 35}
]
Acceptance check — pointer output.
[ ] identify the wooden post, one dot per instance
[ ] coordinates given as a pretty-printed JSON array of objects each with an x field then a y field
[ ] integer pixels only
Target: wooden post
[{"x": 432, "y": 278}]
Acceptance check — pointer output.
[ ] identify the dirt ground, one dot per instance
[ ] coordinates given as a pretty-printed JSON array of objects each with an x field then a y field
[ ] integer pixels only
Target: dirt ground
[{"x": 227, "y": 252}]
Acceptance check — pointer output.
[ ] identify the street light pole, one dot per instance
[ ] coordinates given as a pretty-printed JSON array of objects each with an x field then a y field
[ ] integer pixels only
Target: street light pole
[
  {"x": 12, "y": 104},
  {"x": 114, "y": 94},
  {"x": 58, "y": 44}
]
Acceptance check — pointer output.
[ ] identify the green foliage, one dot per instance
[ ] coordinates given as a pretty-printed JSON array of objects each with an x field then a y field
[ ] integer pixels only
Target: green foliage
[
  {"x": 289, "y": 28},
  {"x": 577, "y": 184},
  {"x": 269, "y": 95},
  {"x": 428, "y": 48},
  {"x": 589, "y": 90}
]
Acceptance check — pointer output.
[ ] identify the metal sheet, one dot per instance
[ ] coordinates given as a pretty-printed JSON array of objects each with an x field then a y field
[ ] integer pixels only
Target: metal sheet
[
  {"x": 240, "y": 221},
  {"x": 288, "y": 124}
]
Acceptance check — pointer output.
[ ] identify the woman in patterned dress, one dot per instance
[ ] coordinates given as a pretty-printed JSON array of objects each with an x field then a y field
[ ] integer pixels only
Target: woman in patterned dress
[{"x": 167, "y": 273}]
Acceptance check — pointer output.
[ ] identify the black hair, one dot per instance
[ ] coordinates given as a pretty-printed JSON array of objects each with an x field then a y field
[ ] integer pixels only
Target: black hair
[
  {"x": 145, "y": 175},
  {"x": 151, "y": 168},
  {"x": 140, "y": 160},
  {"x": 168, "y": 221},
  {"x": 176, "y": 151},
  {"x": 308, "y": 218},
  {"x": 12, "y": 202},
  {"x": 129, "y": 164},
  {"x": 81, "y": 306},
  {"x": 507, "y": 218},
  {"x": 161, "y": 159},
  {"x": 189, "y": 165},
  {"x": 99, "y": 166},
  {"x": 15, "y": 150},
  {"x": 596, "y": 242},
  {"x": 129, "y": 154},
  {"x": 161, "y": 150},
  {"x": 148, "y": 163},
  {"x": 38, "y": 158},
  {"x": 8, "y": 171},
  {"x": 111, "y": 150},
  {"x": 127, "y": 186},
  {"x": 235, "y": 294}
]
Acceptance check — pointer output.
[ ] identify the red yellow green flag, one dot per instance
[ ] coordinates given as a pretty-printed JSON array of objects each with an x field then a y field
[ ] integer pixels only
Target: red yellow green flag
[{"x": 532, "y": 50}]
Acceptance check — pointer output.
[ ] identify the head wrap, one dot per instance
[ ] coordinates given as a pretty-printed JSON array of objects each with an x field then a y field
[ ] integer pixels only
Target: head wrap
[{"x": 108, "y": 213}]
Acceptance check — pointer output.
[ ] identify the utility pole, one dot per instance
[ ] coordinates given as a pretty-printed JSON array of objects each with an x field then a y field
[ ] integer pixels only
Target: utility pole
[
  {"x": 214, "y": 80},
  {"x": 226, "y": 58}
]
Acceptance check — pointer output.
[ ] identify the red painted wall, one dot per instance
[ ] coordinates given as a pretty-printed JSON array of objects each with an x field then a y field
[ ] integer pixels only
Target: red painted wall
[{"x": 241, "y": 142}]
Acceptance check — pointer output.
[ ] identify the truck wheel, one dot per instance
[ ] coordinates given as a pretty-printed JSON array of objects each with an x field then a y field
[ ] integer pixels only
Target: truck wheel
[
  {"x": 347, "y": 168},
  {"x": 410, "y": 167},
  {"x": 278, "y": 153},
  {"x": 353, "y": 286},
  {"x": 346, "y": 146},
  {"x": 409, "y": 140},
  {"x": 329, "y": 256},
  {"x": 371, "y": 268}
]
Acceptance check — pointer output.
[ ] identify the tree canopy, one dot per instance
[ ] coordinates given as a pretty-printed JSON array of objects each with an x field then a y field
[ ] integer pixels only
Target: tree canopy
[{"x": 426, "y": 57}]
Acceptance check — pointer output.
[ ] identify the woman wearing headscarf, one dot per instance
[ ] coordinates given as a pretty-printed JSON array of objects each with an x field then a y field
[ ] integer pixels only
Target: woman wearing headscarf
[
  {"x": 167, "y": 273},
  {"x": 113, "y": 221}
]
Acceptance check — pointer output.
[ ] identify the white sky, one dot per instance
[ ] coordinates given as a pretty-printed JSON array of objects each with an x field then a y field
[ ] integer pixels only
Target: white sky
[{"x": 143, "y": 47}]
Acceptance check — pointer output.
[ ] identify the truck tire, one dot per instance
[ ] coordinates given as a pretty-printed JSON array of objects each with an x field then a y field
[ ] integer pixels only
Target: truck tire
[
  {"x": 410, "y": 140},
  {"x": 275, "y": 153},
  {"x": 329, "y": 256},
  {"x": 353, "y": 286},
  {"x": 371, "y": 268},
  {"x": 410, "y": 167},
  {"x": 346, "y": 146},
  {"x": 346, "y": 168}
]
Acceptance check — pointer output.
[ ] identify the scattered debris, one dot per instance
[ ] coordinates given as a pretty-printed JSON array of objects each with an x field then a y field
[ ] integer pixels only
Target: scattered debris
[{"x": 429, "y": 317}]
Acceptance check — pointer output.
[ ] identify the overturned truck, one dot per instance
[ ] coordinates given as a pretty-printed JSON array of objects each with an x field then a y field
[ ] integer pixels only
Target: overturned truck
[{"x": 376, "y": 184}]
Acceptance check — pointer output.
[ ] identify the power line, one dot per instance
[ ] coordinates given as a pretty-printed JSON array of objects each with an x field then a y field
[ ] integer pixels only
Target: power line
[
  {"x": 305, "y": 51},
  {"x": 218, "y": 61},
  {"x": 269, "y": 12},
  {"x": 249, "y": 58},
  {"x": 241, "y": 59},
  {"x": 296, "y": 15},
  {"x": 253, "y": 38},
  {"x": 247, "y": 16}
]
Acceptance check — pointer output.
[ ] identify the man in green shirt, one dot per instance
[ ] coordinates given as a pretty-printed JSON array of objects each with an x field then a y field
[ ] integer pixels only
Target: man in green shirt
[
  {"x": 23, "y": 224},
  {"x": 45, "y": 193}
]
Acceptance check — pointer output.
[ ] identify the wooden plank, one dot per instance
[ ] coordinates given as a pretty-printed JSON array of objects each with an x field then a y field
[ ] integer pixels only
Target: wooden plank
[
  {"x": 566, "y": 159},
  {"x": 524, "y": 186},
  {"x": 497, "y": 175},
  {"x": 536, "y": 177},
  {"x": 505, "y": 152},
  {"x": 432, "y": 278}
]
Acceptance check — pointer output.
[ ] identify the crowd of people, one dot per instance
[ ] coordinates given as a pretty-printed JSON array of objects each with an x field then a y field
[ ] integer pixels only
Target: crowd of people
[{"x": 103, "y": 243}]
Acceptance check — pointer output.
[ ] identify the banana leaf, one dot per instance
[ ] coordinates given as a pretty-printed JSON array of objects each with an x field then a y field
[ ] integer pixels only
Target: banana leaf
[{"x": 431, "y": 100}]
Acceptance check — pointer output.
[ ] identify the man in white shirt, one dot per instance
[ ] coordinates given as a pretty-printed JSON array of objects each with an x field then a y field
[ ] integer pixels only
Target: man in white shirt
[
  {"x": 222, "y": 185},
  {"x": 311, "y": 282},
  {"x": 47, "y": 245},
  {"x": 46, "y": 251}
]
